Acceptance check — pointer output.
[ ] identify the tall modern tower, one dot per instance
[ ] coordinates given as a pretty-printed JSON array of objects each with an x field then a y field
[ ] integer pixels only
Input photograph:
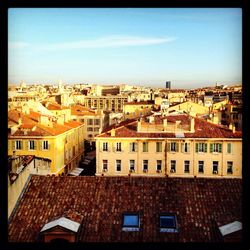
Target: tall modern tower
[{"x": 168, "y": 85}]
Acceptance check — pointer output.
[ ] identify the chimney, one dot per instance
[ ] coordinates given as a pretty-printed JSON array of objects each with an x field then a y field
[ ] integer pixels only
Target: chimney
[
  {"x": 192, "y": 125},
  {"x": 139, "y": 126},
  {"x": 112, "y": 132},
  {"x": 151, "y": 119},
  {"x": 165, "y": 124}
]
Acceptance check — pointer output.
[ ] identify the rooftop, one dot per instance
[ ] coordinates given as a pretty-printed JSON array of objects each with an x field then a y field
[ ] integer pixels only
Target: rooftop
[
  {"x": 199, "y": 204},
  {"x": 202, "y": 129}
]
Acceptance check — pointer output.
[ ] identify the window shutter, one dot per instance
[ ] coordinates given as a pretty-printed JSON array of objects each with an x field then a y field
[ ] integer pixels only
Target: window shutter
[
  {"x": 35, "y": 144},
  {"x": 196, "y": 147},
  {"x": 26, "y": 143},
  {"x": 206, "y": 147},
  {"x": 182, "y": 147},
  {"x": 48, "y": 145},
  {"x": 168, "y": 147},
  {"x": 220, "y": 147},
  {"x": 135, "y": 146},
  {"x": 211, "y": 147},
  {"x": 21, "y": 144},
  {"x": 177, "y": 146},
  {"x": 101, "y": 147},
  {"x": 41, "y": 145},
  {"x": 13, "y": 145},
  {"x": 188, "y": 147}
]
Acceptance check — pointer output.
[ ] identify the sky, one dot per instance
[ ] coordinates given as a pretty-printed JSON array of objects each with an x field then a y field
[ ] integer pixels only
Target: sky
[{"x": 191, "y": 47}]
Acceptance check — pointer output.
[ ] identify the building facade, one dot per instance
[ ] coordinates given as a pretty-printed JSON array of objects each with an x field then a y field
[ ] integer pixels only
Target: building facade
[{"x": 174, "y": 146}]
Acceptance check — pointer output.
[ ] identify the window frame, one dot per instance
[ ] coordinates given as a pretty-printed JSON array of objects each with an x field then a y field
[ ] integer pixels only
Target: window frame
[
  {"x": 104, "y": 165},
  {"x": 118, "y": 147},
  {"x": 131, "y": 227},
  {"x": 133, "y": 146},
  {"x": 118, "y": 163},
  {"x": 185, "y": 165},
  {"x": 157, "y": 165},
  {"x": 230, "y": 167},
  {"x": 18, "y": 145},
  {"x": 215, "y": 171},
  {"x": 201, "y": 172},
  {"x": 168, "y": 229},
  {"x": 145, "y": 149},
  {"x": 158, "y": 147},
  {"x": 45, "y": 143},
  {"x": 144, "y": 164},
  {"x": 173, "y": 170},
  {"x": 131, "y": 169},
  {"x": 105, "y": 147}
]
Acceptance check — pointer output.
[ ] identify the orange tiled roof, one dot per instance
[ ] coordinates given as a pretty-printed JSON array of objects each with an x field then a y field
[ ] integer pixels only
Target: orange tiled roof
[{"x": 203, "y": 129}]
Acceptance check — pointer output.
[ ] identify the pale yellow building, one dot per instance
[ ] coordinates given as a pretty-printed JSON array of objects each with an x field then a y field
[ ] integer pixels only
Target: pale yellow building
[
  {"x": 133, "y": 110},
  {"x": 44, "y": 136},
  {"x": 174, "y": 146},
  {"x": 189, "y": 107}
]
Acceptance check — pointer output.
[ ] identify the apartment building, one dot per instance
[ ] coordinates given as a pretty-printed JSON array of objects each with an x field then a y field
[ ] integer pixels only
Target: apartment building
[
  {"x": 173, "y": 145},
  {"x": 133, "y": 110},
  {"x": 57, "y": 139},
  {"x": 94, "y": 121},
  {"x": 108, "y": 102}
]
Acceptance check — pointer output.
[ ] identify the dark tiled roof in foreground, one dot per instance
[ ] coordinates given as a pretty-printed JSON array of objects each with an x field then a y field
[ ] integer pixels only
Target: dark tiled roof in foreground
[{"x": 200, "y": 204}]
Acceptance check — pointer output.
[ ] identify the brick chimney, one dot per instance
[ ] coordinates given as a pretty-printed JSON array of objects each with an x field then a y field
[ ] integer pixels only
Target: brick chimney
[
  {"x": 112, "y": 132},
  {"x": 165, "y": 124},
  {"x": 192, "y": 125}
]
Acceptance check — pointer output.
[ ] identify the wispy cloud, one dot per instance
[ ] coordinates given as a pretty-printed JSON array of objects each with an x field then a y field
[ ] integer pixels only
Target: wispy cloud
[
  {"x": 18, "y": 45},
  {"x": 111, "y": 41}
]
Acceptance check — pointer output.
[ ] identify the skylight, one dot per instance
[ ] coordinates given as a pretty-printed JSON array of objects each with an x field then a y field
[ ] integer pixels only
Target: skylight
[
  {"x": 131, "y": 222},
  {"x": 168, "y": 223}
]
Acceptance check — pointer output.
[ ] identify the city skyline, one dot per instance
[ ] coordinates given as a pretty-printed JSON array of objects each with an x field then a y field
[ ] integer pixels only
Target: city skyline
[{"x": 146, "y": 47}]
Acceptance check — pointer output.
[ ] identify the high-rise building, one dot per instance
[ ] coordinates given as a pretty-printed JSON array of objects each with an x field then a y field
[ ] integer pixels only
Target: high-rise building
[{"x": 168, "y": 85}]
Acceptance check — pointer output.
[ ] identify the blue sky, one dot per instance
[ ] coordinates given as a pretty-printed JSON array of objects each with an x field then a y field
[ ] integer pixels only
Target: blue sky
[{"x": 140, "y": 46}]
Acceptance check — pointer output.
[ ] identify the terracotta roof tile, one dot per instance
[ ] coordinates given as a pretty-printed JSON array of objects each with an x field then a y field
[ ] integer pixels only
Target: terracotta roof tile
[
  {"x": 203, "y": 129},
  {"x": 200, "y": 205}
]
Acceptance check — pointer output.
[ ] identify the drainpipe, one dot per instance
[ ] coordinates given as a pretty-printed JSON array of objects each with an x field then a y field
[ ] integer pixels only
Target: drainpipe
[{"x": 166, "y": 147}]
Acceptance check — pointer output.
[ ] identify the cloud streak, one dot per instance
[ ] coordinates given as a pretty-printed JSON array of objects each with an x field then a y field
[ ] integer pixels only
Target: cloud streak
[{"x": 109, "y": 42}]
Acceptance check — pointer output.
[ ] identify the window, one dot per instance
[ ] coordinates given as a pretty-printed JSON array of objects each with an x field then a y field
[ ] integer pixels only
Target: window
[
  {"x": 89, "y": 129},
  {"x": 118, "y": 165},
  {"x": 133, "y": 147},
  {"x": 118, "y": 147},
  {"x": 215, "y": 148},
  {"x": 132, "y": 165},
  {"x": 89, "y": 122},
  {"x": 168, "y": 223},
  {"x": 18, "y": 145},
  {"x": 104, "y": 165},
  {"x": 229, "y": 167},
  {"x": 158, "y": 147},
  {"x": 97, "y": 122},
  {"x": 31, "y": 145},
  {"x": 105, "y": 146},
  {"x": 215, "y": 167},
  {"x": 201, "y": 147},
  {"x": 145, "y": 147},
  {"x": 131, "y": 222},
  {"x": 173, "y": 147},
  {"x": 158, "y": 165},
  {"x": 145, "y": 165},
  {"x": 201, "y": 166},
  {"x": 186, "y": 166},
  {"x": 229, "y": 148},
  {"x": 173, "y": 166},
  {"x": 96, "y": 129},
  {"x": 185, "y": 147},
  {"x": 45, "y": 145}
]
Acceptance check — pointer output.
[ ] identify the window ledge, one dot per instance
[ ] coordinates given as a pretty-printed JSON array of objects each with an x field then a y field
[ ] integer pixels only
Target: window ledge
[
  {"x": 130, "y": 229},
  {"x": 168, "y": 230}
]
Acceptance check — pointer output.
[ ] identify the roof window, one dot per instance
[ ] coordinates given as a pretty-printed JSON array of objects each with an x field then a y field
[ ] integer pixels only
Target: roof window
[
  {"x": 168, "y": 223},
  {"x": 131, "y": 222}
]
